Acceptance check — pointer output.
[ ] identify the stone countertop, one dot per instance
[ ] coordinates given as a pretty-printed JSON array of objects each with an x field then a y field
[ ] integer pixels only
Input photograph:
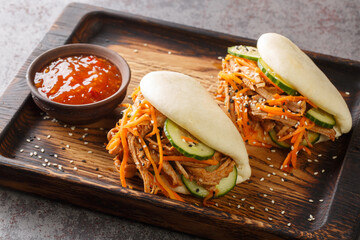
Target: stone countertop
[{"x": 329, "y": 27}]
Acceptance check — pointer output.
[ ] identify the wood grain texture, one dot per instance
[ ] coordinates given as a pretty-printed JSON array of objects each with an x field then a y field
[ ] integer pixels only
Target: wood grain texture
[{"x": 325, "y": 187}]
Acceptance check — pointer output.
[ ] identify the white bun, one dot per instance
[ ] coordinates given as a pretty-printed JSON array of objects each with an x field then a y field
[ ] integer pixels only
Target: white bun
[
  {"x": 297, "y": 69},
  {"x": 188, "y": 104}
]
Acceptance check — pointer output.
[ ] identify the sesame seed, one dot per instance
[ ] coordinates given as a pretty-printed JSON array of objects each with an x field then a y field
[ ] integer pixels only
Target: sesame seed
[
  {"x": 252, "y": 208},
  {"x": 283, "y": 212},
  {"x": 310, "y": 200},
  {"x": 265, "y": 195},
  {"x": 270, "y": 219},
  {"x": 145, "y": 44},
  {"x": 86, "y": 143},
  {"x": 309, "y": 160},
  {"x": 266, "y": 209},
  {"x": 35, "y": 153},
  {"x": 40, "y": 157},
  {"x": 319, "y": 155},
  {"x": 269, "y": 159},
  {"x": 100, "y": 176},
  {"x": 67, "y": 145},
  {"x": 54, "y": 164},
  {"x": 70, "y": 134},
  {"x": 48, "y": 164},
  {"x": 48, "y": 136},
  {"x": 316, "y": 173},
  {"x": 334, "y": 157},
  {"x": 323, "y": 170},
  {"x": 219, "y": 57},
  {"x": 347, "y": 93},
  {"x": 44, "y": 164},
  {"x": 283, "y": 180},
  {"x": 73, "y": 128},
  {"x": 273, "y": 201},
  {"x": 321, "y": 200},
  {"x": 285, "y": 174},
  {"x": 269, "y": 175},
  {"x": 75, "y": 168},
  {"x": 273, "y": 150},
  {"x": 238, "y": 206},
  {"x": 36, "y": 146},
  {"x": 261, "y": 179},
  {"x": 315, "y": 160},
  {"x": 271, "y": 189},
  {"x": 38, "y": 138},
  {"x": 89, "y": 151},
  {"x": 135, "y": 50},
  {"x": 42, "y": 150},
  {"x": 46, "y": 160},
  {"x": 289, "y": 224},
  {"x": 55, "y": 155},
  {"x": 71, "y": 161},
  {"x": 59, "y": 167},
  {"x": 216, "y": 204},
  {"x": 28, "y": 140},
  {"x": 86, "y": 129},
  {"x": 271, "y": 165},
  {"x": 243, "y": 199},
  {"x": 21, "y": 150},
  {"x": 169, "y": 52}
]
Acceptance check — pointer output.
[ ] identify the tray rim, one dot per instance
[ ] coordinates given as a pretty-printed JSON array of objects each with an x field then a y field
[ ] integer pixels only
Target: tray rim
[{"x": 243, "y": 221}]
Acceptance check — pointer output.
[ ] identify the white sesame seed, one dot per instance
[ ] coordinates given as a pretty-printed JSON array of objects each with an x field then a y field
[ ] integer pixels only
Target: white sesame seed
[
  {"x": 55, "y": 155},
  {"x": 54, "y": 164},
  {"x": 28, "y": 140},
  {"x": 283, "y": 180},
  {"x": 334, "y": 157},
  {"x": 21, "y": 150},
  {"x": 67, "y": 145},
  {"x": 86, "y": 143},
  {"x": 86, "y": 129},
  {"x": 271, "y": 189},
  {"x": 273, "y": 150},
  {"x": 319, "y": 155},
  {"x": 285, "y": 174},
  {"x": 71, "y": 161},
  {"x": 347, "y": 93},
  {"x": 289, "y": 224},
  {"x": 36, "y": 146},
  {"x": 316, "y": 173},
  {"x": 311, "y": 216},
  {"x": 216, "y": 204},
  {"x": 243, "y": 199},
  {"x": 269, "y": 159},
  {"x": 145, "y": 44},
  {"x": 70, "y": 134},
  {"x": 321, "y": 200},
  {"x": 46, "y": 160},
  {"x": 135, "y": 50},
  {"x": 89, "y": 151},
  {"x": 323, "y": 170},
  {"x": 238, "y": 206},
  {"x": 273, "y": 173},
  {"x": 315, "y": 160},
  {"x": 59, "y": 167},
  {"x": 266, "y": 209},
  {"x": 309, "y": 160},
  {"x": 265, "y": 195},
  {"x": 40, "y": 157},
  {"x": 48, "y": 164},
  {"x": 261, "y": 179},
  {"x": 169, "y": 52},
  {"x": 75, "y": 168},
  {"x": 72, "y": 128},
  {"x": 269, "y": 175},
  {"x": 100, "y": 176},
  {"x": 48, "y": 136},
  {"x": 271, "y": 165},
  {"x": 273, "y": 201},
  {"x": 101, "y": 129},
  {"x": 310, "y": 200},
  {"x": 283, "y": 212},
  {"x": 35, "y": 153},
  {"x": 270, "y": 219},
  {"x": 44, "y": 164},
  {"x": 252, "y": 207},
  {"x": 219, "y": 57}
]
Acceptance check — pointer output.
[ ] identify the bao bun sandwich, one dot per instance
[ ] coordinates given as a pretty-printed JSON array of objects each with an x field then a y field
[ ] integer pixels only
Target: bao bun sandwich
[
  {"x": 177, "y": 139},
  {"x": 277, "y": 96}
]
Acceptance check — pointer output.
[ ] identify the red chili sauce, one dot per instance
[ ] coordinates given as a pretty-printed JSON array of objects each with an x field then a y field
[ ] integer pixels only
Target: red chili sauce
[{"x": 78, "y": 80}]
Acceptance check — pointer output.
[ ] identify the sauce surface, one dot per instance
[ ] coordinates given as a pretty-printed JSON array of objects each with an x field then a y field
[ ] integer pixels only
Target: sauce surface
[{"x": 78, "y": 80}]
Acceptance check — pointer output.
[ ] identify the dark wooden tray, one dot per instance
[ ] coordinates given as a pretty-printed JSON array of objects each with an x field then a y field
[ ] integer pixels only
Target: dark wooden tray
[{"x": 327, "y": 187}]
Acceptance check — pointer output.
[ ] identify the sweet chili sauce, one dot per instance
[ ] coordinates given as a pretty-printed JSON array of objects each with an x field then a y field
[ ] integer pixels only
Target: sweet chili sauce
[{"x": 78, "y": 80}]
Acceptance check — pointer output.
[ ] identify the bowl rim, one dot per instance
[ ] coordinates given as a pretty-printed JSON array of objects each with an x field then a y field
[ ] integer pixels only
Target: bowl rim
[{"x": 50, "y": 55}]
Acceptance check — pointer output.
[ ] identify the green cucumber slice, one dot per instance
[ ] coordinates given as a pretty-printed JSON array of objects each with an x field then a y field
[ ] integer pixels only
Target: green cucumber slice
[
  {"x": 225, "y": 185},
  {"x": 276, "y": 79},
  {"x": 242, "y": 51},
  {"x": 274, "y": 138},
  {"x": 313, "y": 138},
  {"x": 198, "y": 150},
  {"x": 321, "y": 118}
]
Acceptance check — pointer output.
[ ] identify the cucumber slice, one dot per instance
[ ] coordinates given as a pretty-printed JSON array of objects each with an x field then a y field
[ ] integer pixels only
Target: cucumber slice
[
  {"x": 242, "y": 51},
  {"x": 198, "y": 150},
  {"x": 276, "y": 79},
  {"x": 321, "y": 118},
  {"x": 225, "y": 185},
  {"x": 274, "y": 138},
  {"x": 313, "y": 138}
]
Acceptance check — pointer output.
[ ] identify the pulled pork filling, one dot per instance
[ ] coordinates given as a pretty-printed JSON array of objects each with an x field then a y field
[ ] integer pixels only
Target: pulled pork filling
[
  {"x": 256, "y": 106},
  {"x": 142, "y": 149}
]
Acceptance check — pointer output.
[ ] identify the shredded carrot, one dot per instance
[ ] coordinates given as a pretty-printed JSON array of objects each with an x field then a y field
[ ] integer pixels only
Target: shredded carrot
[
  {"x": 267, "y": 79},
  {"x": 307, "y": 150},
  {"x": 141, "y": 119},
  {"x": 243, "y": 62},
  {"x": 123, "y": 133},
  {"x": 153, "y": 116},
  {"x": 135, "y": 93},
  {"x": 161, "y": 182},
  {"x": 189, "y": 159},
  {"x": 277, "y": 111},
  {"x": 228, "y": 79},
  {"x": 245, "y": 76},
  {"x": 285, "y": 99},
  {"x": 187, "y": 139}
]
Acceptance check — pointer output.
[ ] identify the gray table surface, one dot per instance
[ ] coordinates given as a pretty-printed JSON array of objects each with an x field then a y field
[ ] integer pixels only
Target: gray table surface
[{"x": 330, "y": 27}]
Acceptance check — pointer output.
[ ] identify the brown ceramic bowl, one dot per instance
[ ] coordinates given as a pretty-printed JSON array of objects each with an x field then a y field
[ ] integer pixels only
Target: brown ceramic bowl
[{"x": 84, "y": 113}]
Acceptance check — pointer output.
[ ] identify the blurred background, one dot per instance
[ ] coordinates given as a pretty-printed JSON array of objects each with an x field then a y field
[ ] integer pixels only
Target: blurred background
[{"x": 329, "y": 26}]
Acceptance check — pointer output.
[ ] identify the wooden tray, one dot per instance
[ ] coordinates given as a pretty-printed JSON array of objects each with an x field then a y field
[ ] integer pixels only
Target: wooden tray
[{"x": 270, "y": 205}]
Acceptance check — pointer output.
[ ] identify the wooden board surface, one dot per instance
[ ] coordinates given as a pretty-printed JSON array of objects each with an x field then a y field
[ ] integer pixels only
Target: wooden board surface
[{"x": 324, "y": 186}]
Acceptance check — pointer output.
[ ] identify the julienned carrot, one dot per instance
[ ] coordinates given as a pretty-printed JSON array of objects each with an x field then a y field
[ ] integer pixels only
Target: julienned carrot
[
  {"x": 123, "y": 133},
  {"x": 136, "y": 122},
  {"x": 228, "y": 79},
  {"x": 158, "y": 178},
  {"x": 135, "y": 93},
  {"x": 245, "y": 76},
  {"x": 242, "y": 62},
  {"x": 285, "y": 99},
  {"x": 187, "y": 139},
  {"x": 188, "y": 159},
  {"x": 161, "y": 155},
  {"x": 277, "y": 111}
]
